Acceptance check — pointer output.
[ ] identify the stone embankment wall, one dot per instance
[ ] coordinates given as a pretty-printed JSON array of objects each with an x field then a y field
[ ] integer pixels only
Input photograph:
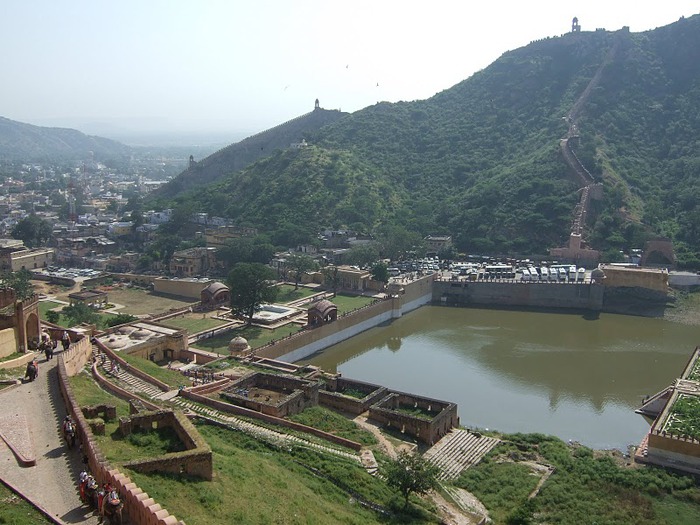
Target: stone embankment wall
[
  {"x": 113, "y": 356},
  {"x": 303, "y": 344},
  {"x": 522, "y": 294}
]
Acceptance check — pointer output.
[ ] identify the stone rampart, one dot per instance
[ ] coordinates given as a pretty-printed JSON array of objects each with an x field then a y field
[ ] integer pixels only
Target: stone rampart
[
  {"x": 139, "y": 508},
  {"x": 577, "y": 296},
  {"x": 118, "y": 391}
]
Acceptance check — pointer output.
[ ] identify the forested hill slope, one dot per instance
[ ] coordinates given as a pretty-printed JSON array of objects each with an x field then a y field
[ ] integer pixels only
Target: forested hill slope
[
  {"x": 25, "y": 142},
  {"x": 481, "y": 160},
  {"x": 237, "y": 156}
]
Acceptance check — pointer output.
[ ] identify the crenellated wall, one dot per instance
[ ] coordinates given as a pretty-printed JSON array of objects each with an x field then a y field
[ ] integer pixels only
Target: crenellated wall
[{"x": 139, "y": 508}]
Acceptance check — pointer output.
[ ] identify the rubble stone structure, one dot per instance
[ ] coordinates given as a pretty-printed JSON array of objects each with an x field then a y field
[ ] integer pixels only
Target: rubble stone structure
[
  {"x": 426, "y": 419},
  {"x": 277, "y": 395}
]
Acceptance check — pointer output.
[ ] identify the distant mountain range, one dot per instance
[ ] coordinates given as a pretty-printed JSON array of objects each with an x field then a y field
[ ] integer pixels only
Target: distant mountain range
[
  {"x": 482, "y": 160},
  {"x": 25, "y": 142}
]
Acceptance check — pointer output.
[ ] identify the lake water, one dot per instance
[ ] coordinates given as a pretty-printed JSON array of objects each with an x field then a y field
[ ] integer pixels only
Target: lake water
[{"x": 570, "y": 375}]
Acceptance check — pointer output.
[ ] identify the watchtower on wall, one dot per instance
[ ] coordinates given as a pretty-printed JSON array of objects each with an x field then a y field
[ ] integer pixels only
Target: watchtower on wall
[{"x": 575, "y": 27}]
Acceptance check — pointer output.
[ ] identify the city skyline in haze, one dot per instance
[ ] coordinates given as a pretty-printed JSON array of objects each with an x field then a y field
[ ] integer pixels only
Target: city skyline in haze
[{"x": 180, "y": 67}]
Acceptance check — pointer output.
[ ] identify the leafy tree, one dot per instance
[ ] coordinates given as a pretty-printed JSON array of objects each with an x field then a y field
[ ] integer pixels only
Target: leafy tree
[
  {"x": 53, "y": 317},
  {"x": 120, "y": 319},
  {"x": 299, "y": 264},
  {"x": 380, "y": 272},
  {"x": 20, "y": 282},
  {"x": 251, "y": 286},
  {"x": 363, "y": 255},
  {"x": 410, "y": 474},
  {"x": 33, "y": 230},
  {"x": 330, "y": 278},
  {"x": 80, "y": 313}
]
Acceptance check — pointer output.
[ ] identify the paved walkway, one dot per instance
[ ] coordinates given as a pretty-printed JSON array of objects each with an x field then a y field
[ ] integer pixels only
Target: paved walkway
[{"x": 52, "y": 482}]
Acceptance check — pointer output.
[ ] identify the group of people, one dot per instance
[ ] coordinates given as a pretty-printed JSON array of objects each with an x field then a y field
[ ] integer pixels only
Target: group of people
[
  {"x": 105, "y": 498},
  {"x": 48, "y": 345}
]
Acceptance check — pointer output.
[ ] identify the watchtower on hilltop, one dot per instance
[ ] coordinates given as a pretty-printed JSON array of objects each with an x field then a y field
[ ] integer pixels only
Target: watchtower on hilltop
[
  {"x": 317, "y": 105},
  {"x": 575, "y": 28}
]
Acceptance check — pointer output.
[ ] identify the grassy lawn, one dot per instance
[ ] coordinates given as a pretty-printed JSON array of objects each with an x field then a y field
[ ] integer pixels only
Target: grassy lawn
[
  {"x": 333, "y": 423},
  {"x": 254, "y": 483},
  {"x": 139, "y": 302},
  {"x": 193, "y": 325},
  {"x": 16, "y": 511},
  {"x": 286, "y": 293},
  {"x": 45, "y": 306},
  {"x": 256, "y": 337},
  {"x": 348, "y": 303}
]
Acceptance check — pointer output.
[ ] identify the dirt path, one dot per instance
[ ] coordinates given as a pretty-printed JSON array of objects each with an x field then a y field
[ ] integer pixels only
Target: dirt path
[{"x": 52, "y": 482}]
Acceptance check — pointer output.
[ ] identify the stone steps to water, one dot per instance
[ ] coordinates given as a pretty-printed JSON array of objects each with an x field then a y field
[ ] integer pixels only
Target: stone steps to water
[{"x": 459, "y": 450}]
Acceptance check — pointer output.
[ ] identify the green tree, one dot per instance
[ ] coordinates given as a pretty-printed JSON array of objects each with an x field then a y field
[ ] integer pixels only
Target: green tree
[
  {"x": 299, "y": 264},
  {"x": 53, "y": 317},
  {"x": 410, "y": 474},
  {"x": 363, "y": 255},
  {"x": 20, "y": 282},
  {"x": 330, "y": 278},
  {"x": 120, "y": 319},
  {"x": 32, "y": 230},
  {"x": 80, "y": 313},
  {"x": 380, "y": 272},
  {"x": 251, "y": 286}
]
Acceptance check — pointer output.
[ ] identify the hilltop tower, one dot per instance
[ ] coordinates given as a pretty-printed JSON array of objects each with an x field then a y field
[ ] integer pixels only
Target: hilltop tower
[
  {"x": 575, "y": 28},
  {"x": 317, "y": 105}
]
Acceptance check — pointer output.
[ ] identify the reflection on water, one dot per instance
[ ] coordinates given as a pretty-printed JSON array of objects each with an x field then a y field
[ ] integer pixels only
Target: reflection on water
[{"x": 562, "y": 374}]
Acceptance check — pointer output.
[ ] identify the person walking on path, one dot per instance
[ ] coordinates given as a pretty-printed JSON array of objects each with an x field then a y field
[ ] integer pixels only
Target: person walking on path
[{"x": 52, "y": 482}]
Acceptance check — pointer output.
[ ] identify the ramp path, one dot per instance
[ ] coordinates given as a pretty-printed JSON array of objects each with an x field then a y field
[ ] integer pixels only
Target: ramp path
[{"x": 37, "y": 409}]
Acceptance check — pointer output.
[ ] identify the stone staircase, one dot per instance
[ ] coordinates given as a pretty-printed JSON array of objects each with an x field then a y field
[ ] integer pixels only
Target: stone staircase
[
  {"x": 459, "y": 450},
  {"x": 140, "y": 387}
]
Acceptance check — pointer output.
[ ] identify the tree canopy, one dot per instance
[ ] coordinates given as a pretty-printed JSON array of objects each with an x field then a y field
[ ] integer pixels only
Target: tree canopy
[
  {"x": 32, "y": 230},
  {"x": 251, "y": 286},
  {"x": 410, "y": 474}
]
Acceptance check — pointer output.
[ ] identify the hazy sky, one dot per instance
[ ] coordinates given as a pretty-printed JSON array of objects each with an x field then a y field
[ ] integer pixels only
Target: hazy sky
[{"x": 245, "y": 65}]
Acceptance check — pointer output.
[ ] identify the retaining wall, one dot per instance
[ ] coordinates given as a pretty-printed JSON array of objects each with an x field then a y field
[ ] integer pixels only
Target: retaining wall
[{"x": 578, "y": 296}]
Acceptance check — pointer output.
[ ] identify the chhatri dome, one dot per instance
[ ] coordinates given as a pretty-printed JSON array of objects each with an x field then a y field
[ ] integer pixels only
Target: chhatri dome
[{"x": 238, "y": 344}]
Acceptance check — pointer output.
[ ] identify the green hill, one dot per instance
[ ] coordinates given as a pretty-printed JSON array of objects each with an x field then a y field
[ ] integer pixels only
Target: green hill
[
  {"x": 241, "y": 154},
  {"x": 27, "y": 143},
  {"x": 482, "y": 161}
]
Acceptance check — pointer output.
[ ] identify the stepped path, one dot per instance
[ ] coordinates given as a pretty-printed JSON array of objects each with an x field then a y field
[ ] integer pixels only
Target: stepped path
[
  {"x": 36, "y": 410},
  {"x": 587, "y": 180},
  {"x": 459, "y": 450}
]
